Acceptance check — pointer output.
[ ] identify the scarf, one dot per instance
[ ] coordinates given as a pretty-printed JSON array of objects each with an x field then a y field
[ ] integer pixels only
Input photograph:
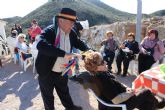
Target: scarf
[
  {"x": 111, "y": 45},
  {"x": 70, "y": 67}
]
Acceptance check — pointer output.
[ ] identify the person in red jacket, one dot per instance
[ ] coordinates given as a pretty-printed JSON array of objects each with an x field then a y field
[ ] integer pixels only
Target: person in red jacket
[{"x": 34, "y": 30}]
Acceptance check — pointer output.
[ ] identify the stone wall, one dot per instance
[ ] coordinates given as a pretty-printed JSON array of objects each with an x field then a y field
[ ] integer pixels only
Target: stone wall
[
  {"x": 2, "y": 29},
  {"x": 96, "y": 34}
]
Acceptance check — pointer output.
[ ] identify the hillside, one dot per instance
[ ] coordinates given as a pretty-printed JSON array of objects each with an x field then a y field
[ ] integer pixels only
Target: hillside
[
  {"x": 93, "y": 10},
  {"x": 12, "y": 19},
  {"x": 159, "y": 13}
]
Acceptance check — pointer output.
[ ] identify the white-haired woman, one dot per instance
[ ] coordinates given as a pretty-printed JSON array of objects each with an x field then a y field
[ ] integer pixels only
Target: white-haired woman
[{"x": 22, "y": 46}]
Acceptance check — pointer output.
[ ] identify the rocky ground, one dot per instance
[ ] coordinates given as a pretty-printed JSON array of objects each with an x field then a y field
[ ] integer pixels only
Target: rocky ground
[{"x": 19, "y": 90}]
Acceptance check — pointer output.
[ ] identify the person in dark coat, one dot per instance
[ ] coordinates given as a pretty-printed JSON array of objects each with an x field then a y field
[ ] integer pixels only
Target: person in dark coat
[
  {"x": 0, "y": 63},
  {"x": 14, "y": 32},
  {"x": 54, "y": 50},
  {"x": 18, "y": 28},
  {"x": 127, "y": 53},
  {"x": 108, "y": 89}
]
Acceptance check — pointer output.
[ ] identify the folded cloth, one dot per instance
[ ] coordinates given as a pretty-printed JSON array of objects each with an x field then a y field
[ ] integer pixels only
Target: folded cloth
[
  {"x": 122, "y": 97},
  {"x": 126, "y": 49}
]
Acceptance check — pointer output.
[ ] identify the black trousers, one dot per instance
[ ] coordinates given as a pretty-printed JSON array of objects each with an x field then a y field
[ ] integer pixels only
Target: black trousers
[
  {"x": 47, "y": 85},
  {"x": 144, "y": 100},
  {"x": 121, "y": 57},
  {"x": 109, "y": 59},
  {"x": 145, "y": 62},
  {"x": 0, "y": 63}
]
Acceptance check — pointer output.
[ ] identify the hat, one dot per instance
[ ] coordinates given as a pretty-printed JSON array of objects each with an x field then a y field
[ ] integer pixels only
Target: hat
[{"x": 67, "y": 13}]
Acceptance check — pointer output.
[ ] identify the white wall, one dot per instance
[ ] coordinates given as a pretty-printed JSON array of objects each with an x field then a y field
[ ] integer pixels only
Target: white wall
[{"x": 2, "y": 29}]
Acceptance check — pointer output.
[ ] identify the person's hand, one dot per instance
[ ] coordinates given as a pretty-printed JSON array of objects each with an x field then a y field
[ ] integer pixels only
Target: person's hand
[
  {"x": 28, "y": 50},
  {"x": 71, "y": 55},
  {"x": 159, "y": 42},
  {"x": 129, "y": 90},
  {"x": 131, "y": 51},
  {"x": 122, "y": 46},
  {"x": 144, "y": 51},
  {"x": 79, "y": 56}
]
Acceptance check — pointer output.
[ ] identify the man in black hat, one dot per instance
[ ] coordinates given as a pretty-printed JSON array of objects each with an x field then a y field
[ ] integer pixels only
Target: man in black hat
[{"x": 54, "y": 50}]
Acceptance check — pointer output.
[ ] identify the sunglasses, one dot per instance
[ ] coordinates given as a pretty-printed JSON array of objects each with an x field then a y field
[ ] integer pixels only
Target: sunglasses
[
  {"x": 98, "y": 63},
  {"x": 22, "y": 37}
]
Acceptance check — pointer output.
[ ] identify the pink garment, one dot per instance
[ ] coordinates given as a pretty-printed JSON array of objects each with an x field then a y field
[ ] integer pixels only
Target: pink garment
[
  {"x": 158, "y": 45},
  {"x": 35, "y": 31}
]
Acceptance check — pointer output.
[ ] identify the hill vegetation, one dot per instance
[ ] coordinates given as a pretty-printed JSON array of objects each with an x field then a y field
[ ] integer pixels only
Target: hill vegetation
[
  {"x": 159, "y": 13},
  {"x": 12, "y": 19},
  {"x": 94, "y": 10}
]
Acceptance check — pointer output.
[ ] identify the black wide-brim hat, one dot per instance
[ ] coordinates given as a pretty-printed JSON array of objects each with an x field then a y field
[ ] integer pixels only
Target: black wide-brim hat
[{"x": 67, "y": 13}]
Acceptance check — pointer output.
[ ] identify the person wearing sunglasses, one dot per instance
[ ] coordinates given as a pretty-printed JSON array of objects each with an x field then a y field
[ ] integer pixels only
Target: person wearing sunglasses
[{"x": 108, "y": 89}]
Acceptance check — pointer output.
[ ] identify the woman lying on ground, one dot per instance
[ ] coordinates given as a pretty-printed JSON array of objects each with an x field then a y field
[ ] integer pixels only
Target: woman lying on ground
[{"x": 110, "y": 90}]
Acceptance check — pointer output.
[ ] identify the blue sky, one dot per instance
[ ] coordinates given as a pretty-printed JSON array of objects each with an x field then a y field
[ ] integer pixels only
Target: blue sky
[{"x": 21, "y": 8}]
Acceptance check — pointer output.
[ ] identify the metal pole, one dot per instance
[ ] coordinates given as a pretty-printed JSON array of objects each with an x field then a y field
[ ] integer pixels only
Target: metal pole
[{"x": 138, "y": 20}]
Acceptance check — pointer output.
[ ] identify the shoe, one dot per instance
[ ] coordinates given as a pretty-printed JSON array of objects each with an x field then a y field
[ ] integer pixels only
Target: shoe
[
  {"x": 161, "y": 104},
  {"x": 75, "y": 108},
  {"x": 124, "y": 75},
  {"x": 118, "y": 73}
]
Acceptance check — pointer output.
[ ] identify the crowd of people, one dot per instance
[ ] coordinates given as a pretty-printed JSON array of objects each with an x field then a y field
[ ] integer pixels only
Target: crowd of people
[
  {"x": 150, "y": 50},
  {"x": 55, "y": 49},
  {"x": 25, "y": 42}
]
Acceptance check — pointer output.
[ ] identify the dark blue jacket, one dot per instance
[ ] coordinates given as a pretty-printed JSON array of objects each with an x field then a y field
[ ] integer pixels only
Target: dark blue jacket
[
  {"x": 134, "y": 46},
  {"x": 47, "y": 53}
]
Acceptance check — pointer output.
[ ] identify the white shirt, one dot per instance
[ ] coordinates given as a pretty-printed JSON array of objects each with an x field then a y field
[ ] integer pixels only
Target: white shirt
[
  {"x": 64, "y": 45},
  {"x": 22, "y": 46}
]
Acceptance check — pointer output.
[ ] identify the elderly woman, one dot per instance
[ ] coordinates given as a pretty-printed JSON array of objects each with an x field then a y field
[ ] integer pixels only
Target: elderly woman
[
  {"x": 110, "y": 90},
  {"x": 151, "y": 50},
  {"x": 21, "y": 45},
  {"x": 127, "y": 51},
  {"x": 110, "y": 46}
]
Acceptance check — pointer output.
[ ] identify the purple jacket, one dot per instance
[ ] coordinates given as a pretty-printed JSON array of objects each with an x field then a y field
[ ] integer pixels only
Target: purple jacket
[{"x": 158, "y": 45}]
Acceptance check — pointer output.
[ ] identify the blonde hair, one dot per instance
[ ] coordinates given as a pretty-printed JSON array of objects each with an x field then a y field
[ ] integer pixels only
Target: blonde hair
[
  {"x": 131, "y": 34},
  {"x": 109, "y": 32},
  {"x": 92, "y": 60}
]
